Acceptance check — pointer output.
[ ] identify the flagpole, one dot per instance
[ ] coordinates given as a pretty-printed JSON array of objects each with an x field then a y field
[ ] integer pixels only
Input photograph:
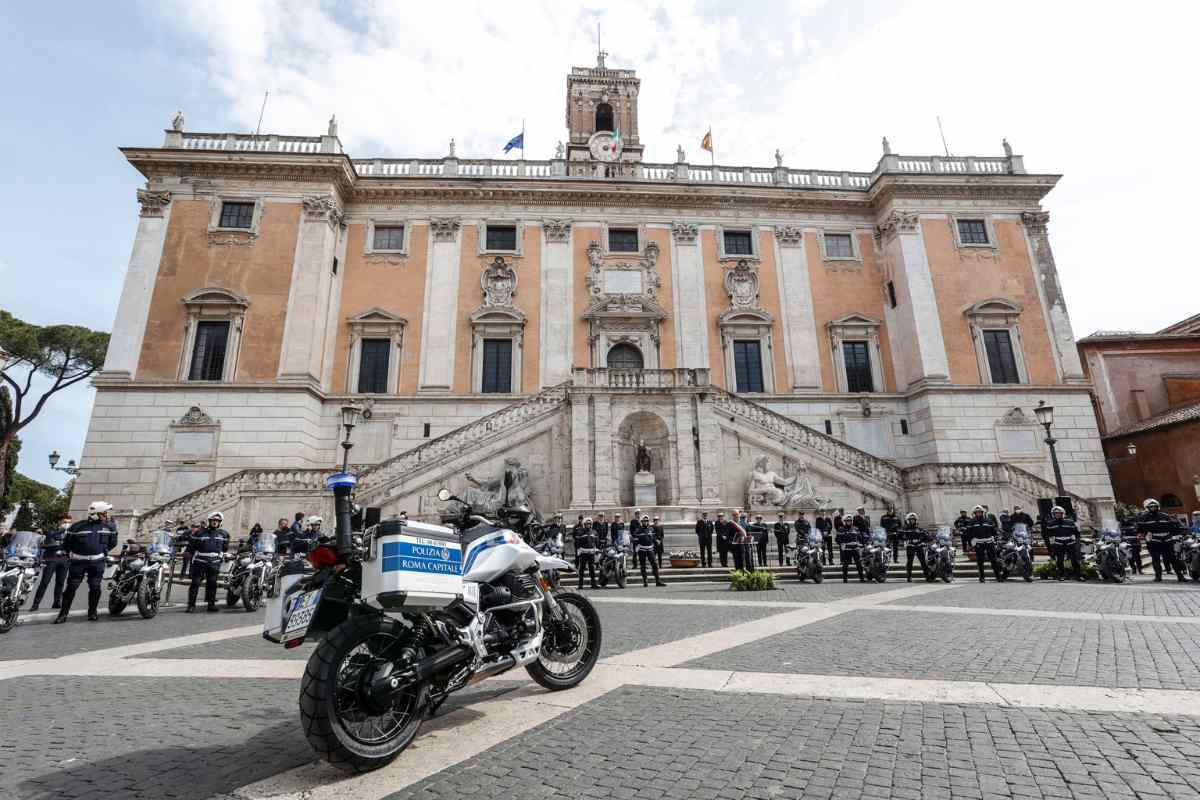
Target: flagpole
[
  {"x": 522, "y": 138},
  {"x": 712, "y": 151}
]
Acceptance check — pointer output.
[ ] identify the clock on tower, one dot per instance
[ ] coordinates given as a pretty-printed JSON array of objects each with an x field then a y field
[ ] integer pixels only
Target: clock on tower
[{"x": 602, "y": 120}]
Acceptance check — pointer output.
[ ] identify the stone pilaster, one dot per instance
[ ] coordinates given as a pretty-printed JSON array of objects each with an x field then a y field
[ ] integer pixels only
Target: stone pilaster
[
  {"x": 439, "y": 322},
  {"x": 711, "y": 446},
  {"x": 796, "y": 310},
  {"x": 557, "y": 299},
  {"x": 920, "y": 353},
  {"x": 691, "y": 312},
  {"x": 133, "y": 309},
  {"x": 1058, "y": 322},
  {"x": 310, "y": 301},
  {"x": 582, "y": 458},
  {"x": 605, "y": 463},
  {"x": 687, "y": 492}
]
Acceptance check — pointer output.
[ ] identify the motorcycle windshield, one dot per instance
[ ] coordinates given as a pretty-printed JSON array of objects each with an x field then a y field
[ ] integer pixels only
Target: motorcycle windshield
[
  {"x": 265, "y": 544},
  {"x": 162, "y": 543},
  {"x": 23, "y": 544},
  {"x": 814, "y": 538},
  {"x": 943, "y": 536},
  {"x": 1110, "y": 535},
  {"x": 879, "y": 537},
  {"x": 1021, "y": 532}
]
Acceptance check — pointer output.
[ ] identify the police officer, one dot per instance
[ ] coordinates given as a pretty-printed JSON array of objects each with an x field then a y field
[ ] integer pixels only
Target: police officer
[
  {"x": 87, "y": 543},
  {"x": 1064, "y": 542},
  {"x": 849, "y": 543},
  {"x": 960, "y": 525},
  {"x": 915, "y": 539},
  {"x": 803, "y": 528},
  {"x": 761, "y": 538},
  {"x": 783, "y": 533},
  {"x": 283, "y": 536},
  {"x": 1129, "y": 535},
  {"x": 602, "y": 529},
  {"x": 704, "y": 537},
  {"x": 1019, "y": 517},
  {"x": 660, "y": 536},
  {"x": 208, "y": 551},
  {"x": 55, "y": 563},
  {"x": 724, "y": 534},
  {"x": 891, "y": 523},
  {"x": 1160, "y": 530},
  {"x": 616, "y": 532},
  {"x": 825, "y": 526},
  {"x": 587, "y": 541},
  {"x": 635, "y": 522},
  {"x": 554, "y": 531},
  {"x": 982, "y": 533},
  {"x": 646, "y": 544}
]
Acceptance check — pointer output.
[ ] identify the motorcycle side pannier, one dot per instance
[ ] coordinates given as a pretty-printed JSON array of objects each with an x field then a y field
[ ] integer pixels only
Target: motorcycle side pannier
[
  {"x": 413, "y": 564},
  {"x": 289, "y": 575}
]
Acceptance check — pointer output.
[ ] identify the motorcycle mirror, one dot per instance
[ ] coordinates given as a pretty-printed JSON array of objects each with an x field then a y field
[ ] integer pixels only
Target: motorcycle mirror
[{"x": 443, "y": 494}]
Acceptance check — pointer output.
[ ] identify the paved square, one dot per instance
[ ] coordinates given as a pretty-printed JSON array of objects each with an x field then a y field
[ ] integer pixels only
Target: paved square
[{"x": 1169, "y": 599}]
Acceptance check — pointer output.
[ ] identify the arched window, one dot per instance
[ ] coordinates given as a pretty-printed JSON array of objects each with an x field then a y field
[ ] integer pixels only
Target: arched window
[
  {"x": 1168, "y": 500},
  {"x": 604, "y": 117},
  {"x": 625, "y": 356}
]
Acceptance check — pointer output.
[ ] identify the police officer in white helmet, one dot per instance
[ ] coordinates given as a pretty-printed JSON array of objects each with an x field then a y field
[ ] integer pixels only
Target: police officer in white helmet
[{"x": 87, "y": 544}]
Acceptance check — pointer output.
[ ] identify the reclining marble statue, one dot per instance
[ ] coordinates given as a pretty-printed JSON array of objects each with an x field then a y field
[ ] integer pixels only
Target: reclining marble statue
[
  {"x": 486, "y": 496},
  {"x": 767, "y": 487}
]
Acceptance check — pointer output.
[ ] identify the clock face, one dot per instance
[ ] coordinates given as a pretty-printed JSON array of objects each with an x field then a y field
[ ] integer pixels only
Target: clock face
[{"x": 605, "y": 146}]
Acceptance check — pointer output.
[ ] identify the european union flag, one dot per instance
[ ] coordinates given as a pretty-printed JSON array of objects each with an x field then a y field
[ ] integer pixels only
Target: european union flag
[{"x": 516, "y": 141}]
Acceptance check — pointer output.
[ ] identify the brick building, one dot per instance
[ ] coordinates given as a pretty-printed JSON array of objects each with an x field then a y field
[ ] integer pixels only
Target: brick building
[
  {"x": 1147, "y": 396},
  {"x": 879, "y": 337}
]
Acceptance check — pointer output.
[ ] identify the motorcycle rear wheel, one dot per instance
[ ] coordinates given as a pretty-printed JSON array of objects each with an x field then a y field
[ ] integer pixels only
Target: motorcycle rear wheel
[
  {"x": 947, "y": 572},
  {"x": 9, "y": 612},
  {"x": 116, "y": 604},
  {"x": 336, "y": 722},
  {"x": 251, "y": 594},
  {"x": 231, "y": 599},
  {"x": 818, "y": 574},
  {"x": 565, "y": 639},
  {"x": 620, "y": 577},
  {"x": 147, "y": 601}
]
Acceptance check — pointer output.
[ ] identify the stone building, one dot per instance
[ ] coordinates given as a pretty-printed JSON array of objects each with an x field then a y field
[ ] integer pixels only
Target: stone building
[
  {"x": 1147, "y": 396},
  {"x": 881, "y": 337}
]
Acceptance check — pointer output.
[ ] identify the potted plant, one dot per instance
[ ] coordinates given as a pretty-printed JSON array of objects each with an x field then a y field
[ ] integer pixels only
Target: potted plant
[{"x": 684, "y": 559}]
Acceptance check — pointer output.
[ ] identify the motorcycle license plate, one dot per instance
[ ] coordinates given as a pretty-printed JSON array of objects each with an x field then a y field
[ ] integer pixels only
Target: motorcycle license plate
[{"x": 303, "y": 607}]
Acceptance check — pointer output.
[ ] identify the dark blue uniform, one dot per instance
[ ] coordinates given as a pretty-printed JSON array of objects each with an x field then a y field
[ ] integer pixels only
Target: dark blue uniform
[
  {"x": 86, "y": 544},
  {"x": 644, "y": 544},
  {"x": 1160, "y": 531},
  {"x": 207, "y": 548},
  {"x": 56, "y": 566},
  {"x": 1064, "y": 542},
  {"x": 849, "y": 542},
  {"x": 586, "y": 539},
  {"x": 982, "y": 534}
]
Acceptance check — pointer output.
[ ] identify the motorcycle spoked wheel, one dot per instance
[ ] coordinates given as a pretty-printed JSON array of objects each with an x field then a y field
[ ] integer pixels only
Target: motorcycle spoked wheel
[
  {"x": 232, "y": 598},
  {"x": 1027, "y": 571},
  {"x": 251, "y": 596},
  {"x": 336, "y": 722},
  {"x": 9, "y": 611},
  {"x": 570, "y": 647},
  {"x": 818, "y": 572},
  {"x": 880, "y": 572},
  {"x": 147, "y": 600},
  {"x": 116, "y": 604},
  {"x": 620, "y": 571},
  {"x": 947, "y": 572}
]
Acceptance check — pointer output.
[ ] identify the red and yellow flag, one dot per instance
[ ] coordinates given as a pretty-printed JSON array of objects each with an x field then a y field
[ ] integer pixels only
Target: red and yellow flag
[{"x": 706, "y": 142}]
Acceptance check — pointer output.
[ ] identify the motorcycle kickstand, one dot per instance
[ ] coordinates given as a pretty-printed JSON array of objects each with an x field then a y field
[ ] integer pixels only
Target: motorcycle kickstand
[{"x": 434, "y": 705}]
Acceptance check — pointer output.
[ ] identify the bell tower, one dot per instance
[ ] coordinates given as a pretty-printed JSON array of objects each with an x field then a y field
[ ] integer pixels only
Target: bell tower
[{"x": 602, "y": 120}]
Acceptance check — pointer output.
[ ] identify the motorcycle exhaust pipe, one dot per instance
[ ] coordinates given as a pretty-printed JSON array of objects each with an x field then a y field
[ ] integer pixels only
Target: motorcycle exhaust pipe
[{"x": 388, "y": 682}]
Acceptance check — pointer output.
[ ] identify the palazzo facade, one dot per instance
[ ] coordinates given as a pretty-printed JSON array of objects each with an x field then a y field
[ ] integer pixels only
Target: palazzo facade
[{"x": 881, "y": 336}]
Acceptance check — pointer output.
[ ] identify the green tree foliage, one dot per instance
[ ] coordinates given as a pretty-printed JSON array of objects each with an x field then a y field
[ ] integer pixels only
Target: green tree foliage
[
  {"x": 8, "y": 453},
  {"x": 65, "y": 354},
  {"x": 47, "y": 505},
  {"x": 24, "y": 520}
]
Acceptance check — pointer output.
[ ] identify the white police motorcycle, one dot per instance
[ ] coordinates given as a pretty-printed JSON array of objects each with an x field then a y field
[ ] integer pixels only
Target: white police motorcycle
[
  {"x": 807, "y": 557},
  {"x": 939, "y": 555},
  {"x": 141, "y": 571},
  {"x": 17, "y": 574},
  {"x": 1015, "y": 556},
  {"x": 253, "y": 573},
  {"x": 875, "y": 556},
  {"x": 415, "y": 613},
  {"x": 1110, "y": 556}
]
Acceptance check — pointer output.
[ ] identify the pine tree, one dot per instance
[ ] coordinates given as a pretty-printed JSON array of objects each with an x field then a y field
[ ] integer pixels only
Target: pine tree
[{"x": 24, "y": 520}]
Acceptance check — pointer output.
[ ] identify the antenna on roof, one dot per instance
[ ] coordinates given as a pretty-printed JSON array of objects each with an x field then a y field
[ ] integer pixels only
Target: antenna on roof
[
  {"x": 261, "y": 112},
  {"x": 600, "y": 54},
  {"x": 945, "y": 146}
]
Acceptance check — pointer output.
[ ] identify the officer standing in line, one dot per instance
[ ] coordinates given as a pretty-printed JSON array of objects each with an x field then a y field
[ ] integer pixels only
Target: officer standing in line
[
  {"x": 635, "y": 522},
  {"x": 87, "y": 544},
  {"x": 616, "y": 532},
  {"x": 849, "y": 543},
  {"x": 601, "y": 527},
  {"x": 825, "y": 526},
  {"x": 587, "y": 541},
  {"x": 915, "y": 539},
  {"x": 1129, "y": 535},
  {"x": 783, "y": 532},
  {"x": 645, "y": 546},
  {"x": 56, "y": 565},
  {"x": 891, "y": 523},
  {"x": 723, "y": 530},
  {"x": 704, "y": 538},
  {"x": 660, "y": 536},
  {"x": 803, "y": 528},
  {"x": 761, "y": 537},
  {"x": 982, "y": 534},
  {"x": 960, "y": 525},
  {"x": 1019, "y": 517},
  {"x": 208, "y": 551},
  {"x": 1064, "y": 539},
  {"x": 1159, "y": 529}
]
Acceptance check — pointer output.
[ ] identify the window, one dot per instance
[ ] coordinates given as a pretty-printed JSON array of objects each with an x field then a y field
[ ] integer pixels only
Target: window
[
  {"x": 858, "y": 367},
  {"x": 373, "y": 357},
  {"x": 891, "y": 289},
  {"x": 625, "y": 356},
  {"x": 426, "y": 429},
  {"x": 497, "y": 366},
  {"x": 747, "y": 365},
  {"x": 1171, "y": 501},
  {"x": 388, "y": 237},
  {"x": 335, "y": 266},
  {"x": 208, "y": 353},
  {"x": 1001, "y": 360},
  {"x": 838, "y": 245},
  {"x": 237, "y": 215},
  {"x": 622, "y": 240},
  {"x": 604, "y": 117},
  {"x": 738, "y": 243},
  {"x": 904, "y": 427},
  {"x": 828, "y": 428},
  {"x": 972, "y": 231},
  {"x": 502, "y": 237}
]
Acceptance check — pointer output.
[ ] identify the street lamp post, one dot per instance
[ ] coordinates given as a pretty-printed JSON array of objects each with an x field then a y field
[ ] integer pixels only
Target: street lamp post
[
  {"x": 342, "y": 484},
  {"x": 1131, "y": 448},
  {"x": 1045, "y": 416},
  {"x": 70, "y": 468}
]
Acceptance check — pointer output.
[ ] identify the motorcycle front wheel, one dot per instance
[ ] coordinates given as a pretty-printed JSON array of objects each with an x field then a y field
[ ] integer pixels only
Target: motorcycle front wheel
[
  {"x": 947, "y": 572},
  {"x": 620, "y": 570},
  {"x": 251, "y": 595},
  {"x": 337, "y": 723},
  {"x": 116, "y": 604},
  {"x": 9, "y": 611},
  {"x": 570, "y": 646},
  {"x": 147, "y": 600}
]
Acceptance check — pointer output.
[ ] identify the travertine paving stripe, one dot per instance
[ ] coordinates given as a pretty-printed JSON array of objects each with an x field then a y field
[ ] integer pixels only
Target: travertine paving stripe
[
  {"x": 1034, "y": 612},
  {"x": 688, "y": 601}
]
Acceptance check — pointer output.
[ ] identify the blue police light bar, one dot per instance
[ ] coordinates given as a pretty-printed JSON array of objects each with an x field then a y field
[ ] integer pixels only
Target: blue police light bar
[{"x": 341, "y": 480}]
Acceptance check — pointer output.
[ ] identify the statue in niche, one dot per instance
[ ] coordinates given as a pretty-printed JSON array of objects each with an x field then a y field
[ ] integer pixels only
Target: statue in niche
[
  {"x": 642, "y": 459},
  {"x": 487, "y": 496}
]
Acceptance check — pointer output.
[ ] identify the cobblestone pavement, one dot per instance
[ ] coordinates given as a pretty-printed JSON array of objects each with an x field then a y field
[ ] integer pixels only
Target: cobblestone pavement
[
  {"x": 979, "y": 648},
  {"x": 1143, "y": 599},
  {"x": 705, "y": 696},
  {"x": 660, "y": 743}
]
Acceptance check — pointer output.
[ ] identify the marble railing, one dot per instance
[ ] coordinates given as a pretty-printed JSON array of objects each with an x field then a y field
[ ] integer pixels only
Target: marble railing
[
  {"x": 224, "y": 494},
  {"x": 991, "y": 475},
  {"x": 788, "y": 430},
  {"x": 639, "y": 378}
]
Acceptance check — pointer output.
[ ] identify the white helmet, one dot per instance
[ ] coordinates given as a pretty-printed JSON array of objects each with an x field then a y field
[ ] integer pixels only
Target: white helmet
[
  {"x": 1058, "y": 510},
  {"x": 977, "y": 508},
  {"x": 217, "y": 515},
  {"x": 99, "y": 507},
  {"x": 910, "y": 516},
  {"x": 314, "y": 520},
  {"x": 587, "y": 520},
  {"x": 1151, "y": 503}
]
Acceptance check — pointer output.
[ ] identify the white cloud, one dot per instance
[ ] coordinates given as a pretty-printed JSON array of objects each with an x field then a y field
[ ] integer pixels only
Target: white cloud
[{"x": 1092, "y": 94}]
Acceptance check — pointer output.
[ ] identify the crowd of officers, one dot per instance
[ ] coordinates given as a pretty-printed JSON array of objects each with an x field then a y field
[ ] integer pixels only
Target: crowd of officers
[{"x": 592, "y": 536}]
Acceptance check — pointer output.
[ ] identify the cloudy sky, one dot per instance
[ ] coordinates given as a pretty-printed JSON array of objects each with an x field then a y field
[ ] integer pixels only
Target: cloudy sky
[{"x": 1103, "y": 95}]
